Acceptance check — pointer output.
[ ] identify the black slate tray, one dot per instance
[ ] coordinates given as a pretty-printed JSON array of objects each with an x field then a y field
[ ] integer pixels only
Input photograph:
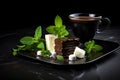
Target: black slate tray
[
  {"x": 108, "y": 47},
  {"x": 8, "y": 42}
]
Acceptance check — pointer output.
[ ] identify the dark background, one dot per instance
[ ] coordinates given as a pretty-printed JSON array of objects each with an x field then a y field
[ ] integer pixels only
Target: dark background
[
  {"x": 15, "y": 15},
  {"x": 20, "y": 14}
]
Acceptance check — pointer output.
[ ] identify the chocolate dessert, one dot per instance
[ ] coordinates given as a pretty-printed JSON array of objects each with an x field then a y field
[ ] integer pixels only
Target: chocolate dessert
[{"x": 66, "y": 46}]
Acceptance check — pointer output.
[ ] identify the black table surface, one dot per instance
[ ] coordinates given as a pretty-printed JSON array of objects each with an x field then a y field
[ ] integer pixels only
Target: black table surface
[{"x": 17, "y": 68}]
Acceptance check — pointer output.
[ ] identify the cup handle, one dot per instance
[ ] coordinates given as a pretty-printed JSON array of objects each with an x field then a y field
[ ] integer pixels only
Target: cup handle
[{"x": 104, "y": 23}]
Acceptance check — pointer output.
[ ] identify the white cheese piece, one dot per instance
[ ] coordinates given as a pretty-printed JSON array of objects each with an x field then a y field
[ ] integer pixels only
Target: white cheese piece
[
  {"x": 37, "y": 57},
  {"x": 53, "y": 54},
  {"x": 72, "y": 57},
  {"x": 78, "y": 52},
  {"x": 39, "y": 53},
  {"x": 50, "y": 42}
]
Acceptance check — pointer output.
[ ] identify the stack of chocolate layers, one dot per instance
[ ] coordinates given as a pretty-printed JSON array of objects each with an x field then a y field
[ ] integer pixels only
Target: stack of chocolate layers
[{"x": 66, "y": 46}]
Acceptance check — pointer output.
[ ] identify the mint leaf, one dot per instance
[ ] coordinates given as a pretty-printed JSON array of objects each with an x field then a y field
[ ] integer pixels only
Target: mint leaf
[
  {"x": 27, "y": 40},
  {"x": 63, "y": 32},
  {"x": 21, "y": 47},
  {"x": 51, "y": 29},
  {"x": 38, "y": 33},
  {"x": 41, "y": 45},
  {"x": 97, "y": 48},
  {"x": 58, "y": 29},
  {"x": 91, "y": 46},
  {"x": 60, "y": 58},
  {"x": 58, "y": 21},
  {"x": 14, "y": 52},
  {"x": 45, "y": 53}
]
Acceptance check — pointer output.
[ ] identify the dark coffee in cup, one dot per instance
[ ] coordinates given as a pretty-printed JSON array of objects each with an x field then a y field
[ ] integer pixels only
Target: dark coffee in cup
[{"x": 84, "y": 25}]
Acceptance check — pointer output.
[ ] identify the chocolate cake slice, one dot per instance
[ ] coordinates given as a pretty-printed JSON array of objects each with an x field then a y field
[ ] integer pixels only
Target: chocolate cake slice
[{"x": 66, "y": 46}]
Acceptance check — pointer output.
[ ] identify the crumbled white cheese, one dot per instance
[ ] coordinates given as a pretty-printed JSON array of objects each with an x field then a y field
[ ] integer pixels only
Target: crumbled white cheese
[
  {"x": 72, "y": 57},
  {"x": 39, "y": 53},
  {"x": 78, "y": 52},
  {"x": 37, "y": 57},
  {"x": 53, "y": 54}
]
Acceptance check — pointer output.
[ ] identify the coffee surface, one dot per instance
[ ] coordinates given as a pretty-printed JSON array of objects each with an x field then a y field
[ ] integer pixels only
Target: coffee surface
[{"x": 83, "y": 18}]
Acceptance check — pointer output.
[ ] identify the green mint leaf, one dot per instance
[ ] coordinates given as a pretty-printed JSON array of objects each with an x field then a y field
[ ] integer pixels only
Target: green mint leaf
[
  {"x": 14, "y": 52},
  {"x": 27, "y": 40},
  {"x": 25, "y": 47},
  {"x": 89, "y": 45},
  {"x": 63, "y": 32},
  {"x": 45, "y": 53},
  {"x": 58, "y": 21},
  {"x": 97, "y": 48},
  {"x": 41, "y": 45},
  {"x": 58, "y": 29},
  {"x": 38, "y": 33},
  {"x": 21, "y": 47},
  {"x": 60, "y": 58},
  {"x": 51, "y": 29}
]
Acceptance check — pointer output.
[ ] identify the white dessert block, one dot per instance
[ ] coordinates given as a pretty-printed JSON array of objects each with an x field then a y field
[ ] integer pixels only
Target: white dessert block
[
  {"x": 72, "y": 57},
  {"x": 50, "y": 42},
  {"x": 78, "y": 52}
]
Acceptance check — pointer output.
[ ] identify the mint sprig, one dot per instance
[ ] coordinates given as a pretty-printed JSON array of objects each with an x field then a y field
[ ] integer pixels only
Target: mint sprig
[
  {"x": 92, "y": 46},
  {"x": 28, "y": 40},
  {"x": 58, "y": 29},
  {"x": 38, "y": 33},
  {"x": 31, "y": 43},
  {"x": 58, "y": 21},
  {"x": 60, "y": 58}
]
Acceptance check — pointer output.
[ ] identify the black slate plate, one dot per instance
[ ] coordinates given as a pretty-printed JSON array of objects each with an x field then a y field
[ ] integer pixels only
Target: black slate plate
[
  {"x": 108, "y": 47},
  {"x": 8, "y": 42}
]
